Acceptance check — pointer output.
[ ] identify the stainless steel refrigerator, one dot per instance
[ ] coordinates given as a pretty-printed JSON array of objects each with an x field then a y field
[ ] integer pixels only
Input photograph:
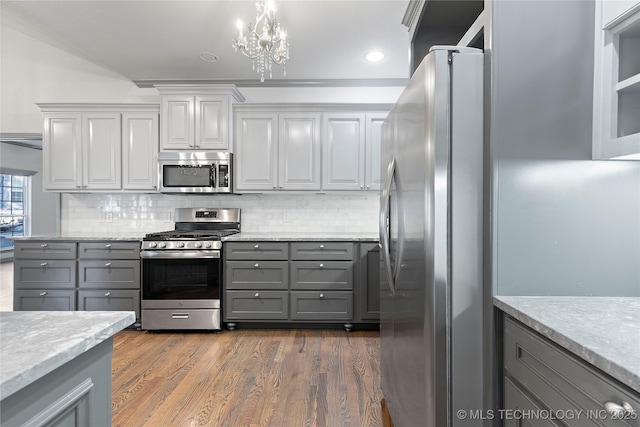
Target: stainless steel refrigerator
[{"x": 431, "y": 238}]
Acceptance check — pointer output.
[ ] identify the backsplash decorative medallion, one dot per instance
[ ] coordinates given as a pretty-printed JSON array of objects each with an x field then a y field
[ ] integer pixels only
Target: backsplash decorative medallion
[{"x": 137, "y": 214}]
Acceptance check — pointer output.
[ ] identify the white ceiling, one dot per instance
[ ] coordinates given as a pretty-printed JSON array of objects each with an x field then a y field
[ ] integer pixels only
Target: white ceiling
[{"x": 162, "y": 40}]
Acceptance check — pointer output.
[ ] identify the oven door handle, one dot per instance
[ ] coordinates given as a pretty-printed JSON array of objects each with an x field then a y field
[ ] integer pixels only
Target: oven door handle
[{"x": 179, "y": 254}]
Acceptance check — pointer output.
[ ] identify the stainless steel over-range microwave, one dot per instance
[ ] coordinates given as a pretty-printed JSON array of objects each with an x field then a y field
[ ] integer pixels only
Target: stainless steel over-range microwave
[{"x": 195, "y": 172}]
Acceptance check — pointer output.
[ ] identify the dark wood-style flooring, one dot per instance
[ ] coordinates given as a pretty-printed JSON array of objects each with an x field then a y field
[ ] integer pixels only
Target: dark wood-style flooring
[{"x": 280, "y": 378}]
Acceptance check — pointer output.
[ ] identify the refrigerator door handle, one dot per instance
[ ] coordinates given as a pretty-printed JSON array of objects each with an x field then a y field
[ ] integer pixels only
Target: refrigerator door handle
[{"x": 385, "y": 200}]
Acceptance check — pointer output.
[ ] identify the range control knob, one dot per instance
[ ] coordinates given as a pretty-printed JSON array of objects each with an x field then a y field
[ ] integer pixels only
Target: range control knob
[
  {"x": 198, "y": 245},
  {"x": 181, "y": 244},
  {"x": 207, "y": 245},
  {"x": 162, "y": 245},
  {"x": 153, "y": 244}
]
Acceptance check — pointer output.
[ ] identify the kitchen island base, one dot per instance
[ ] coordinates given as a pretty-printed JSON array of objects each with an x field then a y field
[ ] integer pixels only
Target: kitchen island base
[{"x": 77, "y": 393}]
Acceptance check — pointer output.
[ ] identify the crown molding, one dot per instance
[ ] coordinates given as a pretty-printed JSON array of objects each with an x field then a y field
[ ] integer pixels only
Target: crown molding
[
  {"x": 97, "y": 107},
  {"x": 276, "y": 83},
  {"x": 29, "y": 140},
  {"x": 412, "y": 14}
]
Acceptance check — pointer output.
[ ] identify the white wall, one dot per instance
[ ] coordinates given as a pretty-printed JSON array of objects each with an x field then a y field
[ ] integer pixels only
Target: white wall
[{"x": 33, "y": 71}]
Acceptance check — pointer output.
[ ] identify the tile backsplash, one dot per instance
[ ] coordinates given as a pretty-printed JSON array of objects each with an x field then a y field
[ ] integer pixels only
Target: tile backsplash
[{"x": 115, "y": 214}]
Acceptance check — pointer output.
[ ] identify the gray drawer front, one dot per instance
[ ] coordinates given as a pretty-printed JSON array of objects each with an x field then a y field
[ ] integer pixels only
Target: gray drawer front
[
  {"x": 116, "y": 274},
  {"x": 267, "y": 275},
  {"x": 47, "y": 274},
  {"x": 44, "y": 250},
  {"x": 44, "y": 300},
  {"x": 321, "y": 305},
  {"x": 256, "y": 305},
  {"x": 321, "y": 275},
  {"x": 256, "y": 250},
  {"x": 337, "y": 251},
  {"x": 181, "y": 319},
  {"x": 109, "y": 250},
  {"x": 516, "y": 398},
  {"x": 117, "y": 300},
  {"x": 559, "y": 379}
]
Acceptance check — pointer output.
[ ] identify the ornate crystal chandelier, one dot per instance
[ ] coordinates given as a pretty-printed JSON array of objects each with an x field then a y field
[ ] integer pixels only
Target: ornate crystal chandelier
[{"x": 266, "y": 42}]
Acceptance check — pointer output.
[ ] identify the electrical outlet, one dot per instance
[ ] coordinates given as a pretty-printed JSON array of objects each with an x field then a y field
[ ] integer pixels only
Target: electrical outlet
[{"x": 108, "y": 216}]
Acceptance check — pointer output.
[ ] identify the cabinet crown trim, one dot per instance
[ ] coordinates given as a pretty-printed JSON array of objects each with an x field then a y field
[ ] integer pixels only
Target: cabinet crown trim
[
  {"x": 97, "y": 107},
  {"x": 198, "y": 89}
]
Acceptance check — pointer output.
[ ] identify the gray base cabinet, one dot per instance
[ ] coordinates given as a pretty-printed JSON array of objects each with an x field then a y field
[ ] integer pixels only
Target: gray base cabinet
[
  {"x": 305, "y": 282},
  {"x": 76, "y": 394},
  {"x": 541, "y": 376},
  {"x": 68, "y": 276}
]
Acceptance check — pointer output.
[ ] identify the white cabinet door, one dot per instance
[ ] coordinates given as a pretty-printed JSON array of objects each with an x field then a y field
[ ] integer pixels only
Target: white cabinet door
[
  {"x": 212, "y": 122},
  {"x": 62, "y": 152},
  {"x": 177, "y": 122},
  {"x": 372, "y": 180},
  {"x": 343, "y": 151},
  {"x": 299, "y": 151},
  {"x": 101, "y": 151},
  {"x": 139, "y": 151},
  {"x": 256, "y": 151}
]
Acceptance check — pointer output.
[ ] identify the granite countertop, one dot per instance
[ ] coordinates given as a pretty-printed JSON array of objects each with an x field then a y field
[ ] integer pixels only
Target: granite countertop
[
  {"x": 124, "y": 237},
  {"x": 302, "y": 237},
  {"x": 35, "y": 343},
  {"x": 603, "y": 331}
]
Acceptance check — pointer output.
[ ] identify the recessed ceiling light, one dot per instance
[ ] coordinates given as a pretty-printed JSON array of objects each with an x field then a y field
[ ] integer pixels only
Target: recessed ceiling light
[
  {"x": 374, "y": 56},
  {"x": 208, "y": 57}
]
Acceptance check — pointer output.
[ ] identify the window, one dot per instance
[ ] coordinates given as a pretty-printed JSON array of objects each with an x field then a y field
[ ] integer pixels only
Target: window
[{"x": 13, "y": 189}]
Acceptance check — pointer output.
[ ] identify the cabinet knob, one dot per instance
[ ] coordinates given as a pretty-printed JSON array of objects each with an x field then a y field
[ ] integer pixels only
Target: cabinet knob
[
  {"x": 44, "y": 245},
  {"x": 108, "y": 245},
  {"x": 108, "y": 264},
  {"x": 257, "y": 246},
  {"x": 321, "y": 246},
  {"x": 361, "y": 187},
  {"x": 256, "y": 295},
  {"x": 44, "y": 264},
  {"x": 321, "y": 296},
  {"x": 321, "y": 265},
  {"x": 43, "y": 293},
  {"x": 618, "y": 411},
  {"x": 256, "y": 265},
  {"x": 108, "y": 294}
]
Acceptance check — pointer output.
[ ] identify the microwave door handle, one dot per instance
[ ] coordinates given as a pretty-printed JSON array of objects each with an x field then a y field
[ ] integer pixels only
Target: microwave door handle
[{"x": 213, "y": 176}]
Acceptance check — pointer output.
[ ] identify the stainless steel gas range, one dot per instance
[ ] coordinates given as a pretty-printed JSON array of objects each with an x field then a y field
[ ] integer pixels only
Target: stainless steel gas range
[{"x": 182, "y": 270}]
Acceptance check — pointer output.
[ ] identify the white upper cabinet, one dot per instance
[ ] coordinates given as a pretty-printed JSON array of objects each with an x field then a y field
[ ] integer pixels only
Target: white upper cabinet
[
  {"x": 101, "y": 151},
  {"x": 99, "y": 147},
  {"x": 62, "y": 152},
  {"x": 277, "y": 151},
  {"x": 373, "y": 139},
  {"x": 343, "y": 151},
  {"x": 140, "y": 151},
  {"x": 299, "y": 151},
  {"x": 256, "y": 151},
  {"x": 616, "y": 112},
  {"x": 196, "y": 117}
]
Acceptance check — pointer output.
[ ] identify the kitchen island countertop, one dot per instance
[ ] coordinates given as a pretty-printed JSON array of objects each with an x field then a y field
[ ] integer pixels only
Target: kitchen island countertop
[
  {"x": 603, "y": 331},
  {"x": 302, "y": 237},
  {"x": 35, "y": 343}
]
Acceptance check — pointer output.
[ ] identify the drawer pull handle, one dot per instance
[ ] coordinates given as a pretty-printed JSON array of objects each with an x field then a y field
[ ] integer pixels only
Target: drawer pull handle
[
  {"x": 257, "y": 295},
  {"x": 618, "y": 411},
  {"x": 321, "y": 246},
  {"x": 44, "y": 245},
  {"x": 179, "y": 315},
  {"x": 257, "y": 246},
  {"x": 321, "y": 265},
  {"x": 256, "y": 265},
  {"x": 108, "y": 264},
  {"x": 44, "y": 264},
  {"x": 108, "y": 294},
  {"x": 321, "y": 296},
  {"x": 108, "y": 245},
  {"x": 43, "y": 293}
]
